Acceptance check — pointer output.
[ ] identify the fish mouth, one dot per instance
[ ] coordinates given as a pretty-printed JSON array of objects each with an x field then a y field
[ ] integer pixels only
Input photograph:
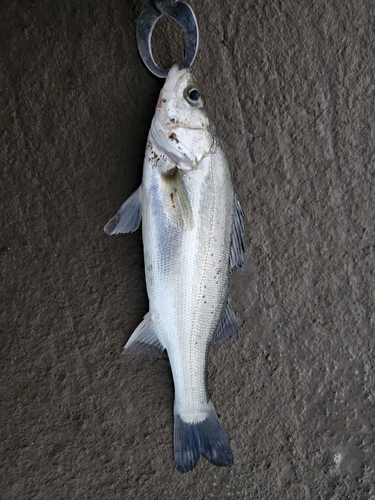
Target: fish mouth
[{"x": 174, "y": 76}]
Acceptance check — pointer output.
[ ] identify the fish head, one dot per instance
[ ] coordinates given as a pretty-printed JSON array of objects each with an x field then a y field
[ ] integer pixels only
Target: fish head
[{"x": 181, "y": 125}]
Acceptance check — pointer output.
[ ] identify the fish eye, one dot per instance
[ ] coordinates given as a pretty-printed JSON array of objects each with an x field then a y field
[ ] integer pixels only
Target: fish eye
[{"x": 193, "y": 96}]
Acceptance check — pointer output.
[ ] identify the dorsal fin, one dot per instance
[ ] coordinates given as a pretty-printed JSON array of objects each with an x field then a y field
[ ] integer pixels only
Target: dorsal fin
[
  {"x": 228, "y": 325},
  {"x": 237, "y": 248}
]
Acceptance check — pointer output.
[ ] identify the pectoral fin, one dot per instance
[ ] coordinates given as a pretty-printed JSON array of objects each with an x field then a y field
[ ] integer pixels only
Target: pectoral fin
[
  {"x": 144, "y": 339},
  {"x": 176, "y": 201},
  {"x": 128, "y": 217},
  {"x": 237, "y": 248},
  {"x": 228, "y": 325}
]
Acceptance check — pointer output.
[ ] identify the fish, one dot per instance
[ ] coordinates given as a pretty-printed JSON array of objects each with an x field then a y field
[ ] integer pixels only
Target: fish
[{"x": 193, "y": 239}]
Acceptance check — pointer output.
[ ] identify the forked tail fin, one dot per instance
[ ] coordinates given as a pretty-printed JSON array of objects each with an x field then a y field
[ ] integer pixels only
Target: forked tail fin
[{"x": 205, "y": 438}]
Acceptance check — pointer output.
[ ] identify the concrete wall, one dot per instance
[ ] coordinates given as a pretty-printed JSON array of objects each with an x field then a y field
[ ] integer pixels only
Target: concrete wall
[{"x": 291, "y": 88}]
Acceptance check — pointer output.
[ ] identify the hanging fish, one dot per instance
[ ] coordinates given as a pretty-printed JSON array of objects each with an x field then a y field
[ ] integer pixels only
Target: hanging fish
[{"x": 192, "y": 227}]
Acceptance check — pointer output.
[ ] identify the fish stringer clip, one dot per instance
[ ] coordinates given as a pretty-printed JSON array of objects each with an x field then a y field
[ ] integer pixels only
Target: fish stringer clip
[{"x": 182, "y": 13}]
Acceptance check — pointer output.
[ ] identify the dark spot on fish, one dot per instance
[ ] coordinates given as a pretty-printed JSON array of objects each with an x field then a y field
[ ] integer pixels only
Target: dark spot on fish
[
  {"x": 153, "y": 157},
  {"x": 172, "y": 200},
  {"x": 150, "y": 267},
  {"x": 170, "y": 173},
  {"x": 218, "y": 271},
  {"x": 173, "y": 120},
  {"x": 164, "y": 100},
  {"x": 173, "y": 137}
]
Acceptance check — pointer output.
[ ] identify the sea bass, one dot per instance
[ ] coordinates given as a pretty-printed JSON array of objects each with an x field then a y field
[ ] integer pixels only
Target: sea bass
[{"x": 193, "y": 237}]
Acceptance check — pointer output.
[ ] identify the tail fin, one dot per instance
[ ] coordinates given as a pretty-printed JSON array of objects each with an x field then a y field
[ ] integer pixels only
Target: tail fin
[{"x": 205, "y": 438}]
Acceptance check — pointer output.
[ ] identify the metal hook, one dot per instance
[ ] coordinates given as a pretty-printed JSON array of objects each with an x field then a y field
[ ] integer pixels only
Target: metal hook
[{"x": 183, "y": 15}]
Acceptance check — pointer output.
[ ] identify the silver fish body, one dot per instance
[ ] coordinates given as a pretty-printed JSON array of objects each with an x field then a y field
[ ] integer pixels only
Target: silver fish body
[{"x": 193, "y": 238}]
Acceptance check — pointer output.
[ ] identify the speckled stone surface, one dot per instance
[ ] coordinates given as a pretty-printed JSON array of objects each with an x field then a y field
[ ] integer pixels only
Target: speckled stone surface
[{"x": 290, "y": 86}]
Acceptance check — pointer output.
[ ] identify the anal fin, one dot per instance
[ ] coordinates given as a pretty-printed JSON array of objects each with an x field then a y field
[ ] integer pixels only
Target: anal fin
[{"x": 144, "y": 339}]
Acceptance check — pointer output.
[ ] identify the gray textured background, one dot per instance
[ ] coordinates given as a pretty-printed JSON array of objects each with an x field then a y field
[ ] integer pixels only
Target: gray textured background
[{"x": 291, "y": 88}]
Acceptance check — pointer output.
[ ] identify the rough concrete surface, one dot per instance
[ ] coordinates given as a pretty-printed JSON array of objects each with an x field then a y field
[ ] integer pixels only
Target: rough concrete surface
[{"x": 291, "y": 86}]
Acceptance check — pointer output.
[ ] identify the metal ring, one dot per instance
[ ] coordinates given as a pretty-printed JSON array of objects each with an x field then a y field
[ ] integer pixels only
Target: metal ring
[{"x": 183, "y": 15}]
